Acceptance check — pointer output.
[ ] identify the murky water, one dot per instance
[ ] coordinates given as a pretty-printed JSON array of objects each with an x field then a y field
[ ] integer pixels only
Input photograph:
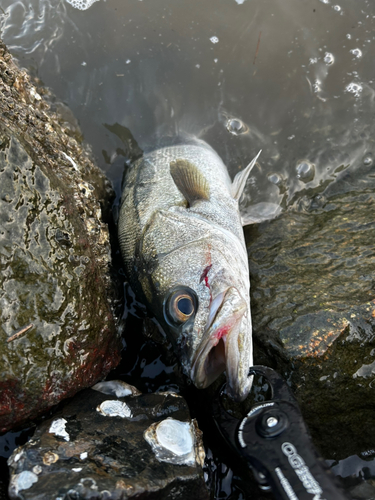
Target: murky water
[
  {"x": 292, "y": 77},
  {"x": 295, "y": 78}
]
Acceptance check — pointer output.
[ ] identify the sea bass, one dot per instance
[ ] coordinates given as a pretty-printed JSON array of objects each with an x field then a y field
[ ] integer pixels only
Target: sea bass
[{"x": 184, "y": 252}]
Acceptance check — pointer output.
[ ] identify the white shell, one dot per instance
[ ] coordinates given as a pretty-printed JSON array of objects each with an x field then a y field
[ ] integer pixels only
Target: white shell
[
  {"x": 114, "y": 408},
  {"x": 18, "y": 456},
  {"x": 23, "y": 481},
  {"x": 175, "y": 436},
  {"x": 58, "y": 428},
  {"x": 116, "y": 388},
  {"x": 172, "y": 441},
  {"x": 37, "y": 469}
]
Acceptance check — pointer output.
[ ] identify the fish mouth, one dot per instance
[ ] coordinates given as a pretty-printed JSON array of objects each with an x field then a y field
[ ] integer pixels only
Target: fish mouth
[{"x": 219, "y": 349}]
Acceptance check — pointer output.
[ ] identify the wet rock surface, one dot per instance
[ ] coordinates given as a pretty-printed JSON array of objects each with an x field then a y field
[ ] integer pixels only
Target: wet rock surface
[
  {"x": 84, "y": 453},
  {"x": 314, "y": 312},
  {"x": 57, "y": 329}
]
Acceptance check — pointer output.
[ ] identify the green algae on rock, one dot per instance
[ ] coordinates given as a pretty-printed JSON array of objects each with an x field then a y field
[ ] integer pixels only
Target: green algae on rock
[{"x": 57, "y": 329}]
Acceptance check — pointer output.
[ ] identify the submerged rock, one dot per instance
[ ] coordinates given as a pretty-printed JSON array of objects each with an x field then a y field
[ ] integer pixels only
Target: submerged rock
[
  {"x": 313, "y": 307},
  {"x": 57, "y": 327},
  {"x": 99, "y": 455}
]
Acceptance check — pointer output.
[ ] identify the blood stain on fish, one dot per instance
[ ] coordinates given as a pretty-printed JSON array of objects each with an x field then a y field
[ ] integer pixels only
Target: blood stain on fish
[
  {"x": 222, "y": 331},
  {"x": 204, "y": 277}
]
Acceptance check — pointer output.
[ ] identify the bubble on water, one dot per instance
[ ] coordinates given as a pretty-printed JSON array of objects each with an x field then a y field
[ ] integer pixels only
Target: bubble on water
[
  {"x": 305, "y": 171},
  {"x": 84, "y": 63},
  {"x": 275, "y": 179},
  {"x": 214, "y": 39},
  {"x": 128, "y": 61},
  {"x": 329, "y": 58},
  {"x": 356, "y": 53},
  {"x": 81, "y": 4},
  {"x": 354, "y": 88},
  {"x": 368, "y": 160},
  {"x": 313, "y": 60},
  {"x": 240, "y": 2},
  {"x": 337, "y": 8},
  {"x": 348, "y": 36},
  {"x": 235, "y": 126},
  {"x": 325, "y": 1},
  {"x": 198, "y": 66}
]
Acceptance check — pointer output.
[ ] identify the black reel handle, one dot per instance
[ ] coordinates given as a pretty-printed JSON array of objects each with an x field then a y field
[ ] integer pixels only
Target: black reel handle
[{"x": 273, "y": 438}]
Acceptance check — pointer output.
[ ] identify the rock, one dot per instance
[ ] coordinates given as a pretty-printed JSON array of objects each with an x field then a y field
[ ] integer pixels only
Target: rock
[
  {"x": 90, "y": 451},
  {"x": 57, "y": 331},
  {"x": 364, "y": 491},
  {"x": 357, "y": 475},
  {"x": 313, "y": 308}
]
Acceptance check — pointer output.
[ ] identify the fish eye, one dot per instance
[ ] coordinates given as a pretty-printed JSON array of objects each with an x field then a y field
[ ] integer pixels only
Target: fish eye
[
  {"x": 180, "y": 305},
  {"x": 185, "y": 305}
]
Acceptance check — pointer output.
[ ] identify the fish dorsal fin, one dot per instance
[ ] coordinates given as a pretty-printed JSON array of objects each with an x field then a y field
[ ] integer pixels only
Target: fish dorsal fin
[
  {"x": 189, "y": 181},
  {"x": 239, "y": 182}
]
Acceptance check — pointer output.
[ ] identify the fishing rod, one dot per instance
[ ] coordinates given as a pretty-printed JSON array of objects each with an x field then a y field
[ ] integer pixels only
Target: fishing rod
[{"x": 274, "y": 440}]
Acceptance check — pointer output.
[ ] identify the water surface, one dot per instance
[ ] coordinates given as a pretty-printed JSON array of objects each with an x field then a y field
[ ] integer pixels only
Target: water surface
[{"x": 296, "y": 75}]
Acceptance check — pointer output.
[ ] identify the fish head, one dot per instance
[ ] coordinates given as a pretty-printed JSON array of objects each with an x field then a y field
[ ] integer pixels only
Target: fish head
[{"x": 201, "y": 299}]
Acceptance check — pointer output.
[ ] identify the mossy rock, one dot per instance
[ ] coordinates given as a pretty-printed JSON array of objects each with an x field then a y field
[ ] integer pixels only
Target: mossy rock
[{"x": 57, "y": 331}]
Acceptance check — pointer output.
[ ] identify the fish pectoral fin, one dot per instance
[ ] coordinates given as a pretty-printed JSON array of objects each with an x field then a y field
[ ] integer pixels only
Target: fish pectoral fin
[
  {"x": 190, "y": 181},
  {"x": 239, "y": 182}
]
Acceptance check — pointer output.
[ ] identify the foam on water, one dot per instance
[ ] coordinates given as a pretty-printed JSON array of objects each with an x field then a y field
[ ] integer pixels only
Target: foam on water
[
  {"x": 354, "y": 88},
  {"x": 81, "y": 4}
]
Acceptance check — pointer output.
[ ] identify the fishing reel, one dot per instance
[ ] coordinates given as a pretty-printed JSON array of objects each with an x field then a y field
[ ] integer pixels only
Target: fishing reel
[{"x": 274, "y": 440}]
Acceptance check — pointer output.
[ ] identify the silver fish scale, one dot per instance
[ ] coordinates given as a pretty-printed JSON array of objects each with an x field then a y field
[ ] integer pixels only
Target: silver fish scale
[
  {"x": 173, "y": 233},
  {"x": 165, "y": 244}
]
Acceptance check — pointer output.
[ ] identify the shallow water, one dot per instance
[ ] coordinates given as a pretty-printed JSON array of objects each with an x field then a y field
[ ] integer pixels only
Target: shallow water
[{"x": 294, "y": 78}]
